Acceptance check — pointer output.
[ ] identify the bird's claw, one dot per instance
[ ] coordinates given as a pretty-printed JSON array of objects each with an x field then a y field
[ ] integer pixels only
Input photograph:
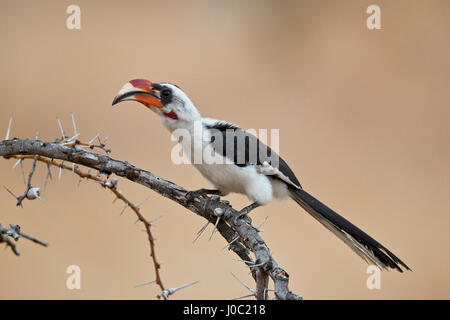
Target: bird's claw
[{"x": 246, "y": 210}]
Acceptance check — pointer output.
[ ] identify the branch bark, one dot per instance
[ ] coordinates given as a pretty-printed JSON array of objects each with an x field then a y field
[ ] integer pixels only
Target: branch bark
[{"x": 230, "y": 225}]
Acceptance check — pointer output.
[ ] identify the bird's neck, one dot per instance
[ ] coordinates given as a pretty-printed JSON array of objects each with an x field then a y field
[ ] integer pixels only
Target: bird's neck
[
  {"x": 179, "y": 124},
  {"x": 186, "y": 119}
]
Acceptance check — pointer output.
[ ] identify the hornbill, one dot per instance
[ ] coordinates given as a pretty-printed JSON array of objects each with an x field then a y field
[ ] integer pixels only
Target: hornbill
[{"x": 233, "y": 160}]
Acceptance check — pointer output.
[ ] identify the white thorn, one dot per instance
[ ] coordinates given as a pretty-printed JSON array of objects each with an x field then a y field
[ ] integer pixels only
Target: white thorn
[
  {"x": 17, "y": 163},
  {"x": 231, "y": 242},
  {"x": 142, "y": 202},
  {"x": 257, "y": 265},
  {"x": 260, "y": 225},
  {"x": 153, "y": 220},
  {"x": 186, "y": 285},
  {"x": 10, "y": 192},
  {"x": 243, "y": 283},
  {"x": 9, "y": 129},
  {"x": 215, "y": 228},
  {"x": 60, "y": 170},
  {"x": 23, "y": 172},
  {"x": 75, "y": 133},
  {"x": 199, "y": 233},
  {"x": 168, "y": 292},
  {"x": 242, "y": 297},
  {"x": 49, "y": 175},
  {"x": 144, "y": 284},
  {"x": 37, "y": 135},
  {"x": 61, "y": 129},
  {"x": 73, "y": 167},
  {"x": 72, "y": 138},
  {"x": 92, "y": 140},
  {"x": 126, "y": 206},
  {"x": 246, "y": 261}
]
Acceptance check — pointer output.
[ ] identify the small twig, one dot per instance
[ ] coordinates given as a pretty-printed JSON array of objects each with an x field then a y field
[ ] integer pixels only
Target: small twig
[
  {"x": 14, "y": 232},
  {"x": 26, "y": 194},
  {"x": 9, "y": 243},
  {"x": 26, "y": 236}
]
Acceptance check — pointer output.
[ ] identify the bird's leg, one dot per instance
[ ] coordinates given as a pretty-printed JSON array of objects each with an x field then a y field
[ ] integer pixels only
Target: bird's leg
[
  {"x": 191, "y": 195},
  {"x": 246, "y": 210}
]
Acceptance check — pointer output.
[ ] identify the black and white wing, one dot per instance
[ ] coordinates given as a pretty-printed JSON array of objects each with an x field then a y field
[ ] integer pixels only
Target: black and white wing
[{"x": 245, "y": 149}]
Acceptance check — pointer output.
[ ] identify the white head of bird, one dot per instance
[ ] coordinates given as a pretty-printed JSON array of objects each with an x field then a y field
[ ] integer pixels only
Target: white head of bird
[{"x": 172, "y": 105}]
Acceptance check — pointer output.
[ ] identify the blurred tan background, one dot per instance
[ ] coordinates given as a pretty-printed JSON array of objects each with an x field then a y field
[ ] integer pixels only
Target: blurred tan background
[{"x": 363, "y": 118}]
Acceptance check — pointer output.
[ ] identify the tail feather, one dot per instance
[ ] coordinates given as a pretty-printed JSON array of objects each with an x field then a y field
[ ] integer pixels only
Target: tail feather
[{"x": 360, "y": 242}]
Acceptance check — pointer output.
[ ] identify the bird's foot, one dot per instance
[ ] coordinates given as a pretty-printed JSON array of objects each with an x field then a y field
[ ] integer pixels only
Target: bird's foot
[
  {"x": 191, "y": 195},
  {"x": 246, "y": 210}
]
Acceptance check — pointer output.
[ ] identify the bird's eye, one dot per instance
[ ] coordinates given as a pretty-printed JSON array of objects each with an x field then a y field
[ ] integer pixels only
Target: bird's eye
[{"x": 166, "y": 92}]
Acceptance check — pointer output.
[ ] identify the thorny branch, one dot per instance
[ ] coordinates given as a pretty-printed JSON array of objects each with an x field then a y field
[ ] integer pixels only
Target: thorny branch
[
  {"x": 111, "y": 185},
  {"x": 237, "y": 229},
  {"x": 32, "y": 193},
  {"x": 14, "y": 232}
]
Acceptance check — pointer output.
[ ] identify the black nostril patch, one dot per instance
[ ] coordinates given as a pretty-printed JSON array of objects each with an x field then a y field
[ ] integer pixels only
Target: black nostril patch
[{"x": 156, "y": 86}]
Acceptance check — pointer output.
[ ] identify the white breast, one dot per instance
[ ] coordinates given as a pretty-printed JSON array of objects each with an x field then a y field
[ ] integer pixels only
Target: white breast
[{"x": 221, "y": 172}]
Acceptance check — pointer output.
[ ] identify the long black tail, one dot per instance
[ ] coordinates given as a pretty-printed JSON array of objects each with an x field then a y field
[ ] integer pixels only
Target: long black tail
[{"x": 360, "y": 242}]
